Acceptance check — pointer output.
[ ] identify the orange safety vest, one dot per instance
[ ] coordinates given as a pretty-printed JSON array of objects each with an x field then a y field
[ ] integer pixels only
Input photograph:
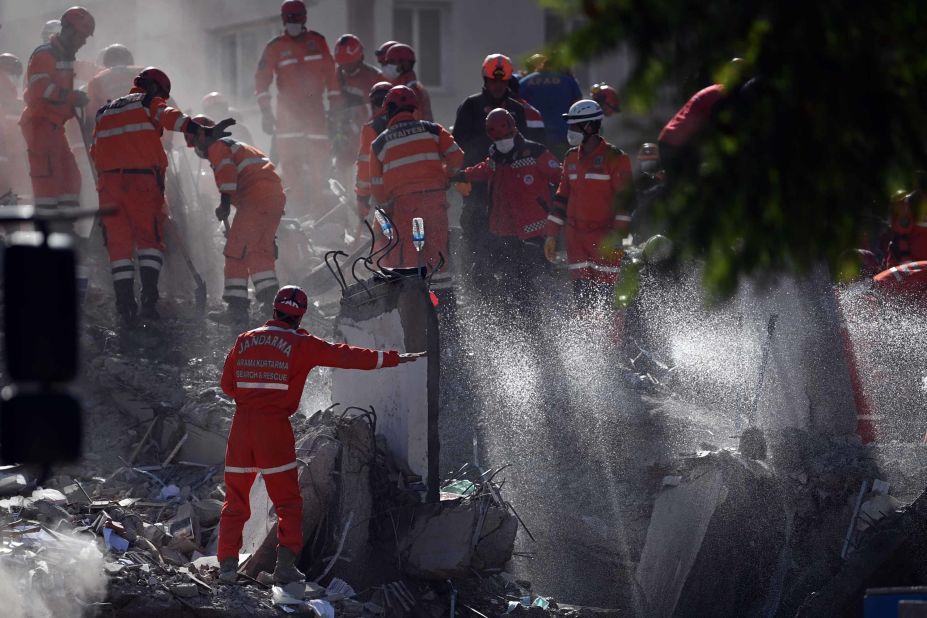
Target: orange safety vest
[{"x": 128, "y": 132}]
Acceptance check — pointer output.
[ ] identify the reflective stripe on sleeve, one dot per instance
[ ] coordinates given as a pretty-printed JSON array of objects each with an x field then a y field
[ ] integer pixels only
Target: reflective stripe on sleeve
[
  {"x": 453, "y": 148},
  {"x": 179, "y": 124},
  {"x": 364, "y": 157},
  {"x": 535, "y": 124},
  {"x": 48, "y": 91},
  {"x": 287, "y": 62},
  {"x": 363, "y": 184},
  {"x": 275, "y": 386},
  {"x": 379, "y": 359},
  {"x": 554, "y": 219},
  {"x": 895, "y": 273},
  {"x": 571, "y": 176},
  {"x": 223, "y": 163},
  {"x": 253, "y": 161},
  {"x": 228, "y": 186},
  {"x": 623, "y": 218},
  {"x": 597, "y": 177},
  {"x": 64, "y": 65},
  {"x": 313, "y": 57},
  {"x": 37, "y": 77},
  {"x": 289, "y": 135}
]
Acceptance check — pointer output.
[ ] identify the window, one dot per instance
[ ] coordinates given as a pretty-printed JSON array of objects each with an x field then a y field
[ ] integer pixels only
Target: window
[
  {"x": 239, "y": 52},
  {"x": 420, "y": 26}
]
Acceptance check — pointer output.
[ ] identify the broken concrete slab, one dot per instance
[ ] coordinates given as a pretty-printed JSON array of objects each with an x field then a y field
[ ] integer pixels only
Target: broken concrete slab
[{"x": 727, "y": 516}]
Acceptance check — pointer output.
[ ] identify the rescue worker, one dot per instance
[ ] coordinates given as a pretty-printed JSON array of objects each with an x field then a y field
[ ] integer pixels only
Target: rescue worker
[
  {"x": 355, "y": 79},
  {"x": 247, "y": 180},
  {"x": 115, "y": 79},
  {"x": 606, "y": 97},
  {"x": 13, "y": 171},
  {"x": 50, "y": 101},
  {"x": 410, "y": 163},
  {"x": 399, "y": 68},
  {"x": 130, "y": 163},
  {"x": 216, "y": 105},
  {"x": 52, "y": 26},
  {"x": 264, "y": 373},
  {"x": 370, "y": 131},
  {"x": 519, "y": 174},
  {"x": 592, "y": 202},
  {"x": 533, "y": 118},
  {"x": 470, "y": 133},
  {"x": 381, "y": 52},
  {"x": 552, "y": 93},
  {"x": 301, "y": 63}
]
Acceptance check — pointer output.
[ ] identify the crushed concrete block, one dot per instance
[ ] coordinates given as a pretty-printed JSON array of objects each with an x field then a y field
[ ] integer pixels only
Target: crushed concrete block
[
  {"x": 12, "y": 484},
  {"x": 75, "y": 495},
  {"x": 208, "y": 511},
  {"x": 440, "y": 544},
  {"x": 185, "y": 590},
  {"x": 52, "y": 496}
]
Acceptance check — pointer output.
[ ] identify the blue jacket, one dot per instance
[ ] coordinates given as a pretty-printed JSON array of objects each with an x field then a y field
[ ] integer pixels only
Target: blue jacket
[{"x": 552, "y": 94}]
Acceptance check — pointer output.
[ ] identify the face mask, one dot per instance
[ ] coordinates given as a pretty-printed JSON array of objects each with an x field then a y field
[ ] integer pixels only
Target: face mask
[
  {"x": 505, "y": 145},
  {"x": 390, "y": 71},
  {"x": 293, "y": 29},
  {"x": 575, "y": 138}
]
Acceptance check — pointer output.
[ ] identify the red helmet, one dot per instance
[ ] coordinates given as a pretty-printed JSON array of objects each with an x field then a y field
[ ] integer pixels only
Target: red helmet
[
  {"x": 348, "y": 50},
  {"x": 377, "y": 94},
  {"x": 606, "y": 97},
  {"x": 117, "y": 55},
  {"x": 11, "y": 64},
  {"x": 381, "y": 51},
  {"x": 293, "y": 12},
  {"x": 156, "y": 75},
  {"x": 215, "y": 101},
  {"x": 500, "y": 124},
  {"x": 80, "y": 19},
  {"x": 204, "y": 121},
  {"x": 497, "y": 66},
  {"x": 291, "y": 300},
  {"x": 399, "y": 52},
  {"x": 400, "y": 98}
]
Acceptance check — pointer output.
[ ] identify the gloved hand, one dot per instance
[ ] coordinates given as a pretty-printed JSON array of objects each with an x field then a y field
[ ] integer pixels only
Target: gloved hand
[
  {"x": 464, "y": 188},
  {"x": 268, "y": 124},
  {"x": 223, "y": 211},
  {"x": 550, "y": 249},
  {"x": 218, "y": 131},
  {"x": 77, "y": 98}
]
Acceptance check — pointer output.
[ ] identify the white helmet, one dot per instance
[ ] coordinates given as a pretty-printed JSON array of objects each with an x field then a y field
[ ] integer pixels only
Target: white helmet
[
  {"x": 51, "y": 27},
  {"x": 583, "y": 111}
]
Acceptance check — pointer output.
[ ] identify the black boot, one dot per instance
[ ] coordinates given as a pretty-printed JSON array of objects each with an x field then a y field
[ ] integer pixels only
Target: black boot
[
  {"x": 149, "y": 278},
  {"x": 125, "y": 301},
  {"x": 235, "y": 315},
  {"x": 266, "y": 298}
]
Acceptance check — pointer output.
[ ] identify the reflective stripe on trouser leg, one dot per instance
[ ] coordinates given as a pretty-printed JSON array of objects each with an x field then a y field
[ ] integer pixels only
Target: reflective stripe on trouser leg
[
  {"x": 69, "y": 200},
  {"x": 235, "y": 288},
  {"x": 235, "y": 512},
  {"x": 264, "y": 280},
  {"x": 46, "y": 204},
  {"x": 283, "y": 489},
  {"x": 122, "y": 269},
  {"x": 150, "y": 258}
]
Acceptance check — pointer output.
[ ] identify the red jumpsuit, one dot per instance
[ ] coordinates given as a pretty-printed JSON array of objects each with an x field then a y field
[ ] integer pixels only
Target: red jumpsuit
[
  {"x": 50, "y": 99},
  {"x": 354, "y": 112},
  {"x": 519, "y": 188},
  {"x": 908, "y": 280},
  {"x": 248, "y": 177},
  {"x": 588, "y": 203},
  {"x": 264, "y": 373},
  {"x": 130, "y": 163},
  {"x": 410, "y": 164},
  {"x": 305, "y": 72},
  {"x": 424, "y": 99}
]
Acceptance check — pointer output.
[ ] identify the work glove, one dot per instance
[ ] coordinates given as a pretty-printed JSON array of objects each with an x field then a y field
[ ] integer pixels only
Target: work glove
[
  {"x": 464, "y": 188},
  {"x": 218, "y": 131},
  {"x": 76, "y": 98},
  {"x": 550, "y": 249},
  {"x": 268, "y": 125},
  {"x": 223, "y": 211}
]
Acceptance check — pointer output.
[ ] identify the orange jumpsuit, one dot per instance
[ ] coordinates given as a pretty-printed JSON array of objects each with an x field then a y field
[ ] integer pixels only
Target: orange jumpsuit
[
  {"x": 424, "y": 99},
  {"x": 908, "y": 280},
  {"x": 369, "y": 132},
  {"x": 130, "y": 163},
  {"x": 246, "y": 174},
  {"x": 264, "y": 373},
  {"x": 410, "y": 164},
  {"x": 305, "y": 72},
  {"x": 49, "y": 104},
  {"x": 588, "y": 203}
]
